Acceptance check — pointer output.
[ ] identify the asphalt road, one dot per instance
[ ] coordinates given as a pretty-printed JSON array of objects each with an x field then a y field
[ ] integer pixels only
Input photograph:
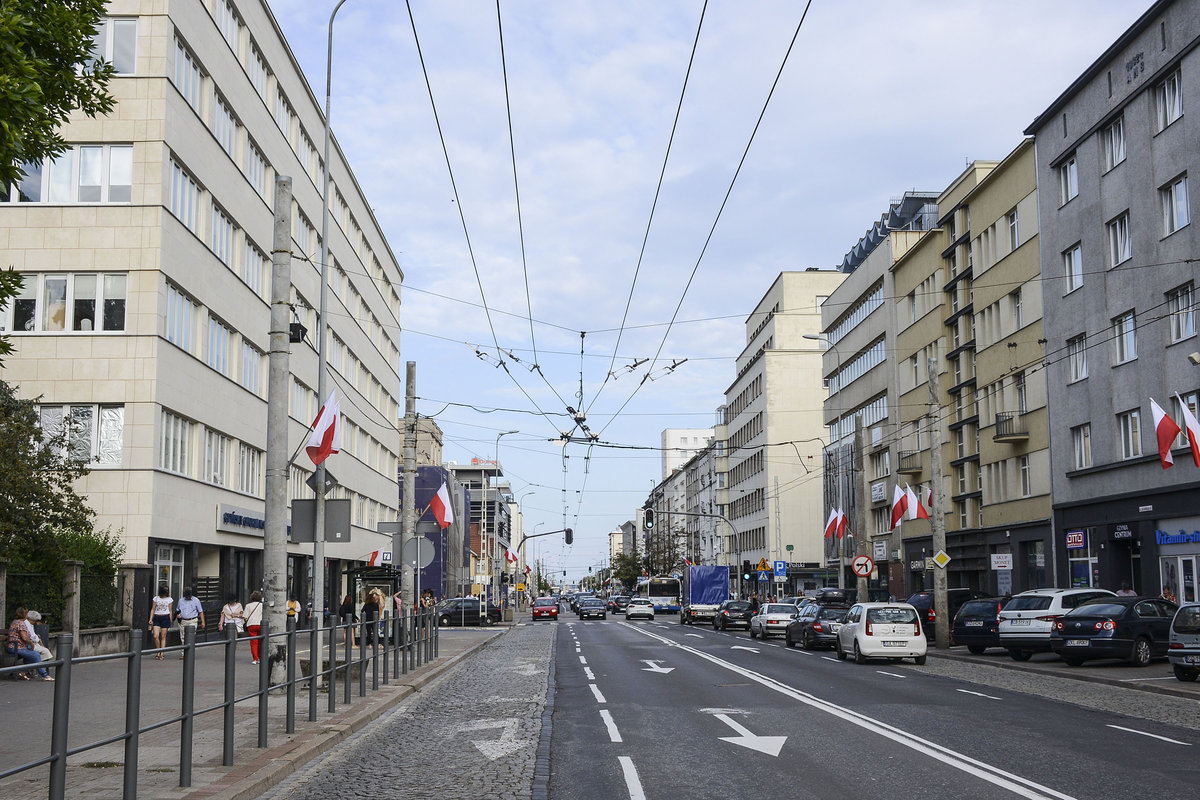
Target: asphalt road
[{"x": 659, "y": 710}]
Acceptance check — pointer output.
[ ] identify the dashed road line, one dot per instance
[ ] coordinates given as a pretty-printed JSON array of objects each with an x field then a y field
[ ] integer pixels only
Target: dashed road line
[
  {"x": 596, "y": 692},
  {"x": 614, "y": 735},
  {"x": 1151, "y": 735},
  {"x": 978, "y": 694},
  {"x": 631, "y": 778},
  {"x": 891, "y": 674},
  {"x": 582, "y": 660}
]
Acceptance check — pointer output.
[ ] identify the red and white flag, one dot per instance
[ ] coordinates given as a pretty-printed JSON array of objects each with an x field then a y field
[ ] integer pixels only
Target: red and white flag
[
  {"x": 899, "y": 506},
  {"x": 843, "y": 520},
  {"x": 1193, "y": 429},
  {"x": 440, "y": 504},
  {"x": 326, "y": 437},
  {"x": 528, "y": 569},
  {"x": 831, "y": 525},
  {"x": 1166, "y": 431},
  {"x": 510, "y": 555},
  {"x": 375, "y": 559},
  {"x": 915, "y": 509},
  {"x": 929, "y": 497}
]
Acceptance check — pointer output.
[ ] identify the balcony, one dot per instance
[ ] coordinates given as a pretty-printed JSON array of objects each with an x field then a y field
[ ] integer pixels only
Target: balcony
[
  {"x": 1010, "y": 427},
  {"x": 910, "y": 462}
]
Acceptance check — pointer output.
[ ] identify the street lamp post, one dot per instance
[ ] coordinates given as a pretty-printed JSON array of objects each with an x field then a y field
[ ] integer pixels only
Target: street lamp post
[{"x": 841, "y": 565}]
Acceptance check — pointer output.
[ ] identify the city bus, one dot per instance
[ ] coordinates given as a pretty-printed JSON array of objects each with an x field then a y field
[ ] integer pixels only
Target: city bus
[{"x": 663, "y": 591}]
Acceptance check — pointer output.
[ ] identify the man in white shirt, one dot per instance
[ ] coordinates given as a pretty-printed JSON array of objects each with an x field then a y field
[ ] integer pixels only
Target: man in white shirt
[{"x": 32, "y": 617}]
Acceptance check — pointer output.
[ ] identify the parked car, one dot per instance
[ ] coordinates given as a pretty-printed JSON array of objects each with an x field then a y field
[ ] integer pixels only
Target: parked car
[
  {"x": 832, "y": 594},
  {"x": 1137, "y": 629},
  {"x": 772, "y": 619},
  {"x": 545, "y": 608},
  {"x": 816, "y": 626},
  {"x": 881, "y": 630},
  {"x": 617, "y": 603},
  {"x": 590, "y": 607},
  {"x": 1184, "y": 644},
  {"x": 640, "y": 607},
  {"x": 466, "y": 611},
  {"x": 977, "y": 622},
  {"x": 1028, "y": 618},
  {"x": 923, "y": 603},
  {"x": 732, "y": 614}
]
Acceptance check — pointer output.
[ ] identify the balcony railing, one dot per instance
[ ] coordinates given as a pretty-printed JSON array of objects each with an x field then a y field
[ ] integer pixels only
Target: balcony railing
[
  {"x": 1010, "y": 427},
  {"x": 910, "y": 462}
]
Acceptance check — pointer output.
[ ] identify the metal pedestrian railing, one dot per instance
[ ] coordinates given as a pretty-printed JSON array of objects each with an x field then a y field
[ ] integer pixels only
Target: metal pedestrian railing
[{"x": 398, "y": 643}]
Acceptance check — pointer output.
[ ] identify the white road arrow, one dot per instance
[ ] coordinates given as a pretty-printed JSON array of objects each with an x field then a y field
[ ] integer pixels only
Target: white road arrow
[
  {"x": 771, "y": 745},
  {"x": 506, "y": 745},
  {"x": 739, "y": 647},
  {"x": 654, "y": 667}
]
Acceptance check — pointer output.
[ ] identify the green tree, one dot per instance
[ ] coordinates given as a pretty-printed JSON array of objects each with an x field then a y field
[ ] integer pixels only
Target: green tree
[
  {"x": 626, "y": 569},
  {"x": 47, "y": 72}
]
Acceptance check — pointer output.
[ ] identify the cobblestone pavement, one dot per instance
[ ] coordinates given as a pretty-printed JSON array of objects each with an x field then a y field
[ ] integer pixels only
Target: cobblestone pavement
[{"x": 472, "y": 734}]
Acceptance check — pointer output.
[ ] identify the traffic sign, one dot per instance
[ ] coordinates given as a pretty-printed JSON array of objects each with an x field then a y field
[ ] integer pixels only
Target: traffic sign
[
  {"x": 780, "y": 569},
  {"x": 941, "y": 558},
  {"x": 763, "y": 565},
  {"x": 862, "y": 566},
  {"x": 764, "y": 575}
]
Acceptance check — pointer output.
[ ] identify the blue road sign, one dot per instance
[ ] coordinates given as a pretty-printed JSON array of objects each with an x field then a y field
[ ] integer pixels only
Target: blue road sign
[
  {"x": 763, "y": 575},
  {"x": 780, "y": 569}
]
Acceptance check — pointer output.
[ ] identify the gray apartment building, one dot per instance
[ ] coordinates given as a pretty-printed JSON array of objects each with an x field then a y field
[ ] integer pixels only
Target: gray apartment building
[{"x": 1115, "y": 153}]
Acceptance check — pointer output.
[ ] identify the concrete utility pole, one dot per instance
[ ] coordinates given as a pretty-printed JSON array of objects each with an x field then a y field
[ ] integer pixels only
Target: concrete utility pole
[
  {"x": 408, "y": 517},
  {"x": 937, "y": 517},
  {"x": 278, "y": 452},
  {"x": 858, "y": 497}
]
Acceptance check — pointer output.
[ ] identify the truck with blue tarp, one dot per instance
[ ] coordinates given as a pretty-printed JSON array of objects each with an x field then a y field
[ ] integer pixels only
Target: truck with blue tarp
[{"x": 704, "y": 588}]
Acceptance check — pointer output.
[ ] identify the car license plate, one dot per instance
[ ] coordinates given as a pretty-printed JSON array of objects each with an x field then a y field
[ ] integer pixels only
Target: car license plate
[
  {"x": 1191, "y": 659},
  {"x": 1018, "y": 621},
  {"x": 974, "y": 623},
  {"x": 835, "y": 627},
  {"x": 894, "y": 644},
  {"x": 1078, "y": 643}
]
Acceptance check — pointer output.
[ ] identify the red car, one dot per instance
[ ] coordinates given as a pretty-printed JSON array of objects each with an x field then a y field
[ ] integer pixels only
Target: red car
[{"x": 545, "y": 607}]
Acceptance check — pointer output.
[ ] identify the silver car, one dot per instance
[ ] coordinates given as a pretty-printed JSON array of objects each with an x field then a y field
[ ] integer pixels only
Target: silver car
[
  {"x": 639, "y": 607},
  {"x": 1028, "y": 618},
  {"x": 1184, "y": 652},
  {"x": 772, "y": 619}
]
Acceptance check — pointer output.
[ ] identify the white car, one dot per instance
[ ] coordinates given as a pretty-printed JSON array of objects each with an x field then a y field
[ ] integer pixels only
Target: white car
[
  {"x": 881, "y": 630},
  {"x": 771, "y": 619},
  {"x": 1028, "y": 618},
  {"x": 640, "y": 607}
]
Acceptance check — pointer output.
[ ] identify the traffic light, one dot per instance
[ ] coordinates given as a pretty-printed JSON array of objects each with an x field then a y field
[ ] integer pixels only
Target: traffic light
[
  {"x": 570, "y": 535},
  {"x": 649, "y": 512},
  {"x": 746, "y": 569}
]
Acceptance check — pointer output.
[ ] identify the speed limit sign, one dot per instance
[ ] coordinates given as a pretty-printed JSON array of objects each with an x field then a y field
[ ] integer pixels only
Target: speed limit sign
[{"x": 862, "y": 566}]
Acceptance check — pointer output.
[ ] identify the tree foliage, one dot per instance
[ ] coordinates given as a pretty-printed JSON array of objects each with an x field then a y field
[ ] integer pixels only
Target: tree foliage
[
  {"x": 626, "y": 569},
  {"x": 47, "y": 71}
]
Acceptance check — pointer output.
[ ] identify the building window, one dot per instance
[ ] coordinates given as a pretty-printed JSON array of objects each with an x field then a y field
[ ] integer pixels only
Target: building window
[
  {"x": 249, "y": 469},
  {"x": 1124, "y": 334},
  {"x": 254, "y": 268},
  {"x": 256, "y": 169},
  {"x": 89, "y": 173},
  {"x": 1077, "y": 356},
  {"x": 65, "y": 302},
  {"x": 1068, "y": 180},
  {"x": 1175, "y": 213},
  {"x": 251, "y": 373},
  {"x": 94, "y": 433},
  {"x": 1081, "y": 440},
  {"x": 1026, "y": 476},
  {"x": 176, "y": 444},
  {"x": 229, "y": 23},
  {"x": 1182, "y": 310},
  {"x": 1190, "y": 401},
  {"x": 216, "y": 458},
  {"x": 1131, "y": 434},
  {"x": 256, "y": 68},
  {"x": 1114, "y": 143},
  {"x": 1020, "y": 391},
  {"x": 220, "y": 340},
  {"x": 185, "y": 198},
  {"x": 1168, "y": 101},
  {"x": 225, "y": 126},
  {"x": 188, "y": 77},
  {"x": 116, "y": 42},
  {"x": 182, "y": 318},
  {"x": 1018, "y": 310},
  {"x": 220, "y": 236},
  {"x": 1073, "y": 267},
  {"x": 1120, "y": 247},
  {"x": 1014, "y": 231}
]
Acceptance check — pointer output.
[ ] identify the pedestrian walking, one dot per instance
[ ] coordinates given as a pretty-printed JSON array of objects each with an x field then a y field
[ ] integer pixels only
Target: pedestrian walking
[
  {"x": 20, "y": 644},
  {"x": 293, "y": 609},
  {"x": 370, "y": 614},
  {"x": 253, "y": 613},
  {"x": 1125, "y": 591},
  {"x": 346, "y": 614},
  {"x": 232, "y": 614},
  {"x": 31, "y": 619},
  {"x": 190, "y": 613},
  {"x": 160, "y": 618}
]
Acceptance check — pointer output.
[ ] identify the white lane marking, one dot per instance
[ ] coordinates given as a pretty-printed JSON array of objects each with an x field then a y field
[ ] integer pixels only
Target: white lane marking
[
  {"x": 631, "y": 778},
  {"x": 829, "y": 658},
  {"x": 582, "y": 660},
  {"x": 588, "y": 672},
  {"x": 771, "y": 745},
  {"x": 803, "y": 652},
  {"x": 698, "y": 636},
  {"x": 596, "y": 691},
  {"x": 891, "y": 674},
  {"x": 1021, "y": 786},
  {"x": 977, "y": 694},
  {"x": 1136, "y": 680},
  {"x": 740, "y": 647},
  {"x": 1151, "y": 735},
  {"x": 614, "y": 735}
]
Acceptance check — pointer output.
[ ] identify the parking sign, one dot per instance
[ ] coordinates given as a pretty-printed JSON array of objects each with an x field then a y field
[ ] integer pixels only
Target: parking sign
[{"x": 780, "y": 569}]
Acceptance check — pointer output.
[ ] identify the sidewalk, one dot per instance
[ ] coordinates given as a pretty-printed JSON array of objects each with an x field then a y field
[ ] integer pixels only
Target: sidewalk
[{"x": 98, "y": 713}]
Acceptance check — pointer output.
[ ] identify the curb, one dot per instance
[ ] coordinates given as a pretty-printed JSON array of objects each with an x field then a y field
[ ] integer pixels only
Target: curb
[{"x": 270, "y": 768}]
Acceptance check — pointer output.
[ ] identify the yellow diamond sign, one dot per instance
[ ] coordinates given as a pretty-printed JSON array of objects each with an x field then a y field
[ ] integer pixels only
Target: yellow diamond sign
[{"x": 941, "y": 559}]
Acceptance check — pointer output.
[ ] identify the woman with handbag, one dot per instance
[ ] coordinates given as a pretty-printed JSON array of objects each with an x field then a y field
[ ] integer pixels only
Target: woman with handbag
[
  {"x": 253, "y": 614},
  {"x": 231, "y": 614}
]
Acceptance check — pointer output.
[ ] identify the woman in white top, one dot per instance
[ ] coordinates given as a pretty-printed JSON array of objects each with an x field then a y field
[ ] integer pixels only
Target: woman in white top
[
  {"x": 253, "y": 612},
  {"x": 231, "y": 614},
  {"x": 160, "y": 617}
]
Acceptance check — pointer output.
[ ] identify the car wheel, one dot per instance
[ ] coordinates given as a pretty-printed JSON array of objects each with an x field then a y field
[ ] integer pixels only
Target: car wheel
[
  {"x": 1074, "y": 662},
  {"x": 486, "y": 622},
  {"x": 753, "y": 635},
  {"x": 604, "y": 616},
  {"x": 787, "y": 639},
  {"x": 859, "y": 658},
  {"x": 838, "y": 651},
  {"x": 976, "y": 649},
  {"x": 1142, "y": 654},
  {"x": 445, "y": 620},
  {"x": 920, "y": 660},
  {"x": 1185, "y": 674},
  {"x": 806, "y": 641}
]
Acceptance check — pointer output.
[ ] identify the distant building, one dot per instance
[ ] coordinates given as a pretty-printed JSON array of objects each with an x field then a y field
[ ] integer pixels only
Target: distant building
[{"x": 679, "y": 445}]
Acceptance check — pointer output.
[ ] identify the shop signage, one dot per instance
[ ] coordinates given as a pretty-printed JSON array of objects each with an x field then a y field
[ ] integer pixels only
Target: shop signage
[
  {"x": 880, "y": 548},
  {"x": 1001, "y": 560},
  {"x": 1076, "y": 540},
  {"x": 917, "y": 565},
  {"x": 1183, "y": 537},
  {"x": 1122, "y": 531},
  {"x": 231, "y": 519}
]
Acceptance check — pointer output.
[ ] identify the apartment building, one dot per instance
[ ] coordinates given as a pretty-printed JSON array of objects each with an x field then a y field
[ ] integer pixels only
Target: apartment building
[
  {"x": 1115, "y": 152},
  {"x": 680, "y": 445},
  {"x": 707, "y": 534},
  {"x": 143, "y": 321}
]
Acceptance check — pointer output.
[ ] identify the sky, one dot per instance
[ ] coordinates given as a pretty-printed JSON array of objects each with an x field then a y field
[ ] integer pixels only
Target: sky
[{"x": 785, "y": 149}]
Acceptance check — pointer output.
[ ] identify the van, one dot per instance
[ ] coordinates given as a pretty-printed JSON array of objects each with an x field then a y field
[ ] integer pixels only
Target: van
[{"x": 1183, "y": 649}]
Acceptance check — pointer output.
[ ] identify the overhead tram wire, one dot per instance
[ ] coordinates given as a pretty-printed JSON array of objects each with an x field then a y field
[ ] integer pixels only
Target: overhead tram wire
[
  {"x": 462, "y": 216},
  {"x": 654, "y": 205},
  {"x": 720, "y": 211}
]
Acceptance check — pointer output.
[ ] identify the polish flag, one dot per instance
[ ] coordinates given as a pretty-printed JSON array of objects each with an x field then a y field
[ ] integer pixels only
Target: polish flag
[
  {"x": 326, "y": 437},
  {"x": 842, "y": 522},
  {"x": 375, "y": 559},
  {"x": 1166, "y": 431},
  {"x": 441, "y": 507},
  {"x": 899, "y": 506},
  {"x": 929, "y": 497},
  {"x": 831, "y": 525},
  {"x": 915, "y": 509},
  {"x": 528, "y": 569},
  {"x": 1193, "y": 429},
  {"x": 510, "y": 556}
]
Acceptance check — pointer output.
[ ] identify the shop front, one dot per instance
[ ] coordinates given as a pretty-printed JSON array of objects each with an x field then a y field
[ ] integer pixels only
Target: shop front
[{"x": 1178, "y": 545}]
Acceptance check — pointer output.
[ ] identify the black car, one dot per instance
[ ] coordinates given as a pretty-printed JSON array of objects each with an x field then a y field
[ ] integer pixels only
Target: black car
[
  {"x": 733, "y": 614},
  {"x": 816, "y": 626},
  {"x": 1137, "y": 629},
  {"x": 977, "y": 624},
  {"x": 466, "y": 611},
  {"x": 618, "y": 603},
  {"x": 592, "y": 607},
  {"x": 923, "y": 603}
]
